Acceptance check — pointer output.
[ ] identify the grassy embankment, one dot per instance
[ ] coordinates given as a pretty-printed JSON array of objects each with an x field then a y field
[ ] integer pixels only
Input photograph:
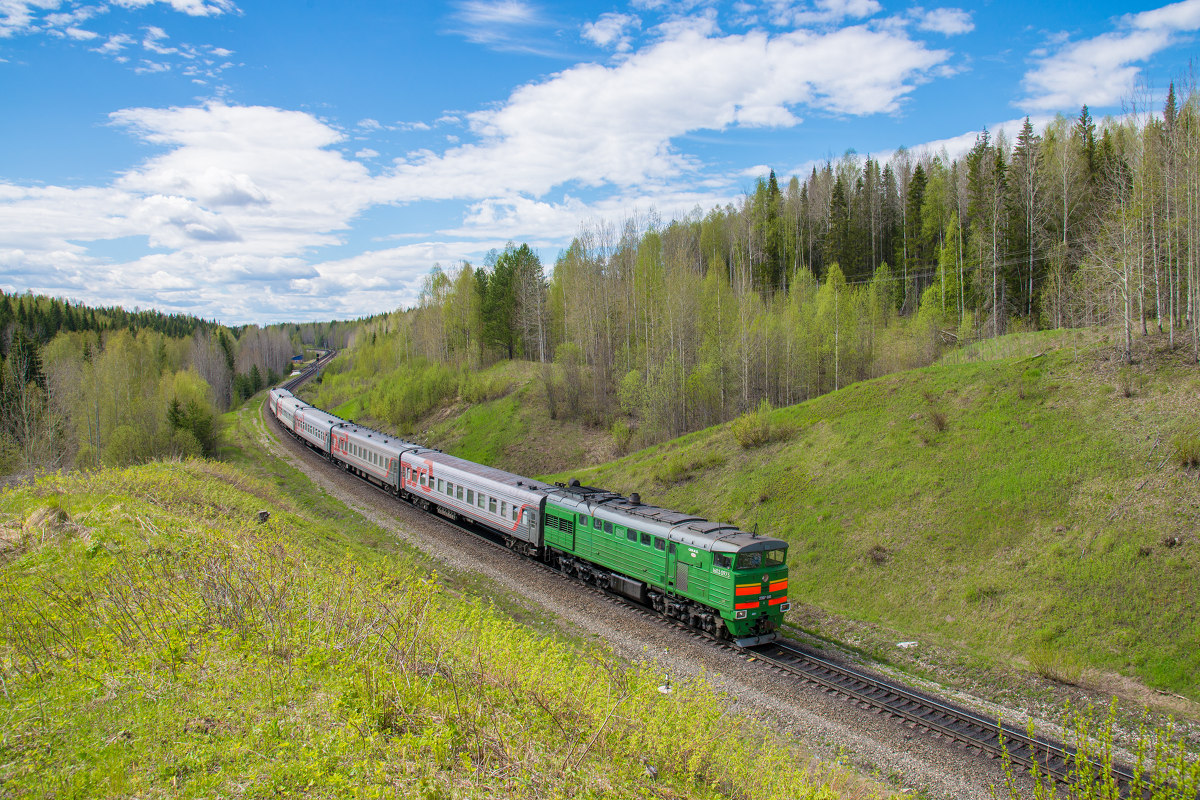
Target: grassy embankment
[
  {"x": 494, "y": 416},
  {"x": 157, "y": 640},
  {"x": 1023, "y": 506},
  {"x": 1032, "y": 510}
]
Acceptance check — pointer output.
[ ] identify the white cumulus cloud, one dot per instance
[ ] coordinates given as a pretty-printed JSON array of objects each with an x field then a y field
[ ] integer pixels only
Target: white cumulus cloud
[
  {"x": 1103, "y": 69},
  {"x": 599, "y": 125},
  {"x": 612, "y": 30},
  {"x": 946, "y": 21}
]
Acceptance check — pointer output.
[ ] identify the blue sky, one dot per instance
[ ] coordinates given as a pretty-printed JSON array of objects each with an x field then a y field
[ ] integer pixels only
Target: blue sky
[{"x": 262, "y": 162}]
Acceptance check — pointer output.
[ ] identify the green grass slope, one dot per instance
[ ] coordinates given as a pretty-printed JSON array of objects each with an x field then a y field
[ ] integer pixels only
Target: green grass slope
[
  {"x": 158, "y": 640},
  {"x": 1030, "y": 511},
  {"x": 495, "y": 416}
]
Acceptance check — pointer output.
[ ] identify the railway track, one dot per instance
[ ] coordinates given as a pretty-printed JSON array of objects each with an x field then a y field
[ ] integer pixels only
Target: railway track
[{"x": 938, "y": 718}]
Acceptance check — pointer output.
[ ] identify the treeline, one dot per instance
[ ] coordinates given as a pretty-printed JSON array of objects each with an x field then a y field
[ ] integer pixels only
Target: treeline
[
  {"x": 83, "y": 386},
  {"x": 857, "y": 269},
  {"x": 42, "y": 318}
]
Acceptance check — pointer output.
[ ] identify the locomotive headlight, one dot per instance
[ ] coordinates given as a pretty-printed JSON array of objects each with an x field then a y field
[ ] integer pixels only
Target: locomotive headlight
[
  {"x": 739, "y": 615},
  {"x": 785, "y": 607}
]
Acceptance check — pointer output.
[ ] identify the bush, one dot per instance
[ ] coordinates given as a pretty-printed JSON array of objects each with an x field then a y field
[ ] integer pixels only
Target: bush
[
  {"x": 753, "y": 429},
  {"x": 622, "y": 434},
  {"x": 1186, "y": 447},
  {"x": 1055, "y": 666},
  {"x": 124, "y": 447}
]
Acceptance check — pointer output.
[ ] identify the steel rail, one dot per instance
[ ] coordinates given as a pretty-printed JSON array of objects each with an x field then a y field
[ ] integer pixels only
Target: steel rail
[
  {"x": 988, "y": 735},
  {"x": 985, "y": 734}
]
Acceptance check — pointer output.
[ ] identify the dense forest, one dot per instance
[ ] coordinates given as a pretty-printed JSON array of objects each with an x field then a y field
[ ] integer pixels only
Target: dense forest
[
  {"x": 84, "y": 386},
  {"x": 655, "y": 328},
  {"x": 857, "y": 269}
]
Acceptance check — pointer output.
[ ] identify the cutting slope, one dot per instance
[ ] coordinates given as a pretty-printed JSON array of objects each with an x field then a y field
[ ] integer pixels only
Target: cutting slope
[{"x": 1032, "y": 510}]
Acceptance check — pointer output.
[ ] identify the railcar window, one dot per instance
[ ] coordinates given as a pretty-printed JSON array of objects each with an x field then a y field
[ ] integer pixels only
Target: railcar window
[
  {"x": 659, "y": 544},
  {"x": 608, "y": 527},
  {"x": 441, "y": 486},
  {"x": 471, "y": 496},
  {"x": 722, "y": 560},
  {"x": 458, "y": 492},
  {"x": 671, "y": 548},
  {"x": 645, "y": 538},
  {"x": 480, "y": 497},
  {"x": 631, "y": 535},
  {"x": 596, "y": 523},
  {"x": 775, "y": 558},
  {"x": 503, "y": 509},
  {"x": 583, "y": 520},
  {"x": 749, "y": 560},
  {"x": 492, "y": 505},
  {"x": 515, "y": 511}
]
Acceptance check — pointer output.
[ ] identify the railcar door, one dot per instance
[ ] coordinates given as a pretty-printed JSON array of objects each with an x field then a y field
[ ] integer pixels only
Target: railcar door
[{"x": 529, "y": 524}]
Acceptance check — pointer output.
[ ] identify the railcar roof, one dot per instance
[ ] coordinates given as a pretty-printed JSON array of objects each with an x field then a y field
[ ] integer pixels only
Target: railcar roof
[
  {"x": 485, "y": 472},
  {"x": 363, "y": 433},
  {"x": 316, "y": 415},
  {"x": 678, "y": 526}
]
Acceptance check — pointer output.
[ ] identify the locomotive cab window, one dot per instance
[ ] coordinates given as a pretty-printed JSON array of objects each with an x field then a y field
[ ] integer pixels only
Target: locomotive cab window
[
  {"x": 774, "y": 558},
  {"x": 722, "y": 560},
  {"x": 596, "y": 523},
  {"x": 583, "y": 520},
  {"x": 671, "y": 548},
  {"x": 749, "y": 560},
  {"x": 659, "y": 544}
]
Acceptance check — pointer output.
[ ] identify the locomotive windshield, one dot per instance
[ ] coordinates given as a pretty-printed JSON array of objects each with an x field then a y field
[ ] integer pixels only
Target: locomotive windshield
[{"x": 769, "y": 558}]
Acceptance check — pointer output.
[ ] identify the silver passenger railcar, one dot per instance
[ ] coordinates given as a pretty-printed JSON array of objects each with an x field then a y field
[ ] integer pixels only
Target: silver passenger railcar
[
  {"x": 509, "y": 504},
  {"x": 315, "y": 427},
  {"x": 369, "y": 453}
]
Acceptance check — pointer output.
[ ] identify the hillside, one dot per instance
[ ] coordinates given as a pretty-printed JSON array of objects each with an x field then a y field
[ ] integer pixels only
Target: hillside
[
  {"x": 160, "y": 640},
  {"x": 1023, "y": 508},
  {"x": 1028, "y": 511}
]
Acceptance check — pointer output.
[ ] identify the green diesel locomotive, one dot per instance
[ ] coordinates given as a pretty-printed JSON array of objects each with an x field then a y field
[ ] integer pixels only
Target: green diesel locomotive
[{"x": 713, "y": 577}]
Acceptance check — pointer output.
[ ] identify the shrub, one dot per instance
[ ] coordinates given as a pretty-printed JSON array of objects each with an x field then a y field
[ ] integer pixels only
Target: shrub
[
  {"x": 879, "y": 555},
  {"x": 622, "y": 434},
  {"x": 753, "y": 429},
  {"x": 124, "y": 447},
  {"x": 1055, "y": 666},
  {"x": 1186, "y": 447}
]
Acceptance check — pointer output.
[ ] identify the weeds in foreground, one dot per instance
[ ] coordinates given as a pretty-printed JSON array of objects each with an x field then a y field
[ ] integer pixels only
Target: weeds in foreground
[
  {"x": 1161, "y": 768},
  {"x": 172, "y": 645}
]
